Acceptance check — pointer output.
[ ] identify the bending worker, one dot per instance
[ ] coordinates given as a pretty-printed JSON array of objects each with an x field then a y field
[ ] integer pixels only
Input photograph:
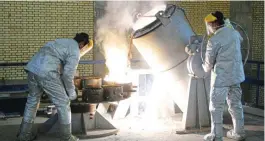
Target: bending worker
[
  {"x": 51, "y": 70},
  {"x": 223, "y": 58}
]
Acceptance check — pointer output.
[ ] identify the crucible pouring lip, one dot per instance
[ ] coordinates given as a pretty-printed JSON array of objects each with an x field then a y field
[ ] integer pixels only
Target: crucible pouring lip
[{"x": 170, "y": 9}]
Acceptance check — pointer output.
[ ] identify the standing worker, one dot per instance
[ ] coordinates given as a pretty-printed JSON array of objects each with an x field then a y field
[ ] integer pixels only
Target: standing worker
[
  {"x": 51, "y": 70},
  {"x": 223, "y": 58}
]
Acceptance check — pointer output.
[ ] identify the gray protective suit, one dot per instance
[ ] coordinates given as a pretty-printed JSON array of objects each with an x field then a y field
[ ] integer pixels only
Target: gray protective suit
[
  {"x": 52, "y": 70},
  {"x": 223, "y": 58}
]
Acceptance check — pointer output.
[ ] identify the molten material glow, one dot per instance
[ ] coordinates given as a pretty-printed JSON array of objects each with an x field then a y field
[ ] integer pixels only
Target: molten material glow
[
  {"x": 116, "y": 55},
  {"x": 164, "y": 90}
]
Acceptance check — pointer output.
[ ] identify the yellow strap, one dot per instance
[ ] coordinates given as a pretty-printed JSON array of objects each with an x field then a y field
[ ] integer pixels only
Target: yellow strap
[{"x": 210, "y": 18}]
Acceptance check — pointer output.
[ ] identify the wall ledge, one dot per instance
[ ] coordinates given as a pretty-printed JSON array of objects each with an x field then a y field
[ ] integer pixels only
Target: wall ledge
[{"x": 253, "y": 111}]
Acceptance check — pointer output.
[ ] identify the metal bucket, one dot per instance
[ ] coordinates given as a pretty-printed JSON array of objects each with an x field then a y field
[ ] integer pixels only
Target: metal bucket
[
  {"x": 91, "y": 82},
  {"x": 92, "y": 95},
  {"x": 162, "y": 44},
  {"x": 77, "y": 82},
  {"x": 128, "y": 89},
  {"x": 113, "y": 92}
]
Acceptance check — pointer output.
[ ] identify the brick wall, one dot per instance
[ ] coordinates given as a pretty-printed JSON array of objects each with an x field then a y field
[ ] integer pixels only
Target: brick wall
[
  {"x": 258, "y": 30},
  {"x": 26, "y": 25},
  {"x": 250, "y": 15},
  {"x": 257, "y": 46}
]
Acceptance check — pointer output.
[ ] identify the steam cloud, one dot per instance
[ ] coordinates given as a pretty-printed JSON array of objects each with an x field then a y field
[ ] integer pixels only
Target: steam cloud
[
  {"x": 115, "y": 27},
  {"x": 118, "y": 20},
  {"x": 113, "y": 37},
  {"x": 119, "y": 17}
]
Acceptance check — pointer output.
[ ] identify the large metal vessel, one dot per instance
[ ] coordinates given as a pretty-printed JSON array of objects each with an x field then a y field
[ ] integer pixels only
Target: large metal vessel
[{"x": 161, "y": 35}]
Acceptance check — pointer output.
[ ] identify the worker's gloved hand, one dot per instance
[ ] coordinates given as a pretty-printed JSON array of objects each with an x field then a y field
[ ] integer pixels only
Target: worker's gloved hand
[
  {"x": 72, "y": 95},
  {"x": 191, "y": 49}
]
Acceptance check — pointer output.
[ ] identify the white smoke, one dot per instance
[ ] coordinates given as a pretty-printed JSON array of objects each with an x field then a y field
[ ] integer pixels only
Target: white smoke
[
  {"x": 119, "y": 16},
  {"x": 114, "y": 28},
  {"x": 113, "y": 37}
]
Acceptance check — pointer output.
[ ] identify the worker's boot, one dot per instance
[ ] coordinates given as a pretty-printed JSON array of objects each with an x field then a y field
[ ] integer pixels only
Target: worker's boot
[
  {"x": 238, "y": 132},
  {"x": 66, "y": 133},
  {"x": 216, "y": 133},
  {"x": 25, "y": 133}
]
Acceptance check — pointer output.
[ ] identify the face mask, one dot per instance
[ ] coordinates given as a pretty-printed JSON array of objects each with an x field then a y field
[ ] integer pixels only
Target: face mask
[
  {"x": 86, "y": 48},
  {"x": 209, "y": 29}
]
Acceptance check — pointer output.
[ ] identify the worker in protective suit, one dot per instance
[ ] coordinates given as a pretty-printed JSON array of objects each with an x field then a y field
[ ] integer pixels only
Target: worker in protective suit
[
  {"x": 51, "y": 70},
  {"x": 223, "y": 58}
]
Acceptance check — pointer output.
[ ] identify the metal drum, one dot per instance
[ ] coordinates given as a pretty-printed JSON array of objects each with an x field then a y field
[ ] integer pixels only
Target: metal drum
[
  {"x": 161, "y": 35},
  {"x": 92, "y": 82},
  {"x": 128, "y": 89},
  {"x": 77, "y": 82},
  {"x": 92, "y": 95},
  {"x": 113, "y": 93}
]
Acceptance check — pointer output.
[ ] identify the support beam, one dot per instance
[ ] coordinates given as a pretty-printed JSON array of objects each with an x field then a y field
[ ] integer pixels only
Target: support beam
[
  {"x": 197, "y": 116},
  {"x": 83, "y": 126}
]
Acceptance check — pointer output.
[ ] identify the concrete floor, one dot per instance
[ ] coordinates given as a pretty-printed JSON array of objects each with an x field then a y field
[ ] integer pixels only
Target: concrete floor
[{"x": 132, "y": 129}]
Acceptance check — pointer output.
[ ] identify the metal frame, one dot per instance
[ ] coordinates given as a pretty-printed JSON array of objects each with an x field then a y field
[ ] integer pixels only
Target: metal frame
[
  {"x": 10, "y": 64},
  {"x": 24, "y": 87},
  {"x": 255, "y": 81}
]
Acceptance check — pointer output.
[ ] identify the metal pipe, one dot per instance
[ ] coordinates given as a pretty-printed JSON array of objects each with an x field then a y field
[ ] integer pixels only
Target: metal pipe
[{"x": 10, "y": 64}]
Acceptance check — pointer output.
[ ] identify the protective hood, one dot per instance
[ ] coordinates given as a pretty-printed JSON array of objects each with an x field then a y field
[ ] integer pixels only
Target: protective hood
[{"x": 228, "y": 24}]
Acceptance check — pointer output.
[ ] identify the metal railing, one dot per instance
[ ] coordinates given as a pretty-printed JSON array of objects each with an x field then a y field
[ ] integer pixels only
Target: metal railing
[
  {"x": 24, "y": 87},
  {"x": 10, "y": 64},
  {"x": 249, "y": 80}
]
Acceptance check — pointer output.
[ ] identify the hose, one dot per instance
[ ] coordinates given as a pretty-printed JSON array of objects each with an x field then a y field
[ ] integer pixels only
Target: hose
[
  {"x": 248, "y": 43},
  {"x": 192, "y": 31},
  {"x": 175, "y": 65},
  {"x": 202, "y": 44}
]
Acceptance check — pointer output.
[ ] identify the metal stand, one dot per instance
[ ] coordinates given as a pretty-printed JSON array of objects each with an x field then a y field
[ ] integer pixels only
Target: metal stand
[
  {"x": 84, "y": 125},
  {"x": 197, "y": 116}
]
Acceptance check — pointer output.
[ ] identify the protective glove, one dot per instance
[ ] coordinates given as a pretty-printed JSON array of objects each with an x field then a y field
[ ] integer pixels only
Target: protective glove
[
  {"x": 191, "y": 49},
  {"x": 72, "y": 95}
]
